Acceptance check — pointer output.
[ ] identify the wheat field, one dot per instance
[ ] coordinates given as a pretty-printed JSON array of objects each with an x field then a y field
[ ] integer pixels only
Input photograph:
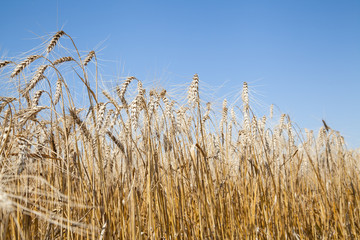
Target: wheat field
[{"x": 146, "y": 166}]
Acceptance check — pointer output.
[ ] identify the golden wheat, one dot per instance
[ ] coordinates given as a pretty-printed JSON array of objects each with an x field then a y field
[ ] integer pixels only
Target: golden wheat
[{"x": 161, "y": 169}]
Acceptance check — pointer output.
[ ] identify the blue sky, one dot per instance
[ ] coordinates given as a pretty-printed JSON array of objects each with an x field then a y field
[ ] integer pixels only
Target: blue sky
[{"x": 303, "y": 56}]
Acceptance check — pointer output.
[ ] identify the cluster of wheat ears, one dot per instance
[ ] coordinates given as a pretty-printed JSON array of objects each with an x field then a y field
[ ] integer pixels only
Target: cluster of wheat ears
[{"x": 148, "y": 167}]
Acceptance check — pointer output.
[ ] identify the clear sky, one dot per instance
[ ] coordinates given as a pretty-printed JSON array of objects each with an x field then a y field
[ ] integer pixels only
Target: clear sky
[{"x": 303, "y": 56}]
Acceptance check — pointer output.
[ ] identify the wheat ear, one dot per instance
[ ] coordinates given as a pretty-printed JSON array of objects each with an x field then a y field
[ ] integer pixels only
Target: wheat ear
[
  {"x": 100, "y": 116},
  {"x": 4, "y": 63},
  {"x": 36, "y": 98},
  {"x": 111, "y": 99},
  {"x": 193, "y": 95},
  {"x": 121, "y": 91},
  {"x": 207, "y": 113},
  {"x": 116, "y": 141},
  {"x": 37, "y": 77},
  {"x": 21, "y": 66},
  {"x": 63, "y": 59},
  {"x": 106, "y": 122},
  {"x": 28, "y": 113},
  {"x": 23, "y": 154},
  {"x": 57, "y": 91},
  {"x": 89, "y": 57},
  {"x": 245, "y": 96},
  {"x": 135, "y": 108},
  {"x": 80, "y": 123},
  {"x": 5, "y": 101},
  {"x": 54, "y": 40}
]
